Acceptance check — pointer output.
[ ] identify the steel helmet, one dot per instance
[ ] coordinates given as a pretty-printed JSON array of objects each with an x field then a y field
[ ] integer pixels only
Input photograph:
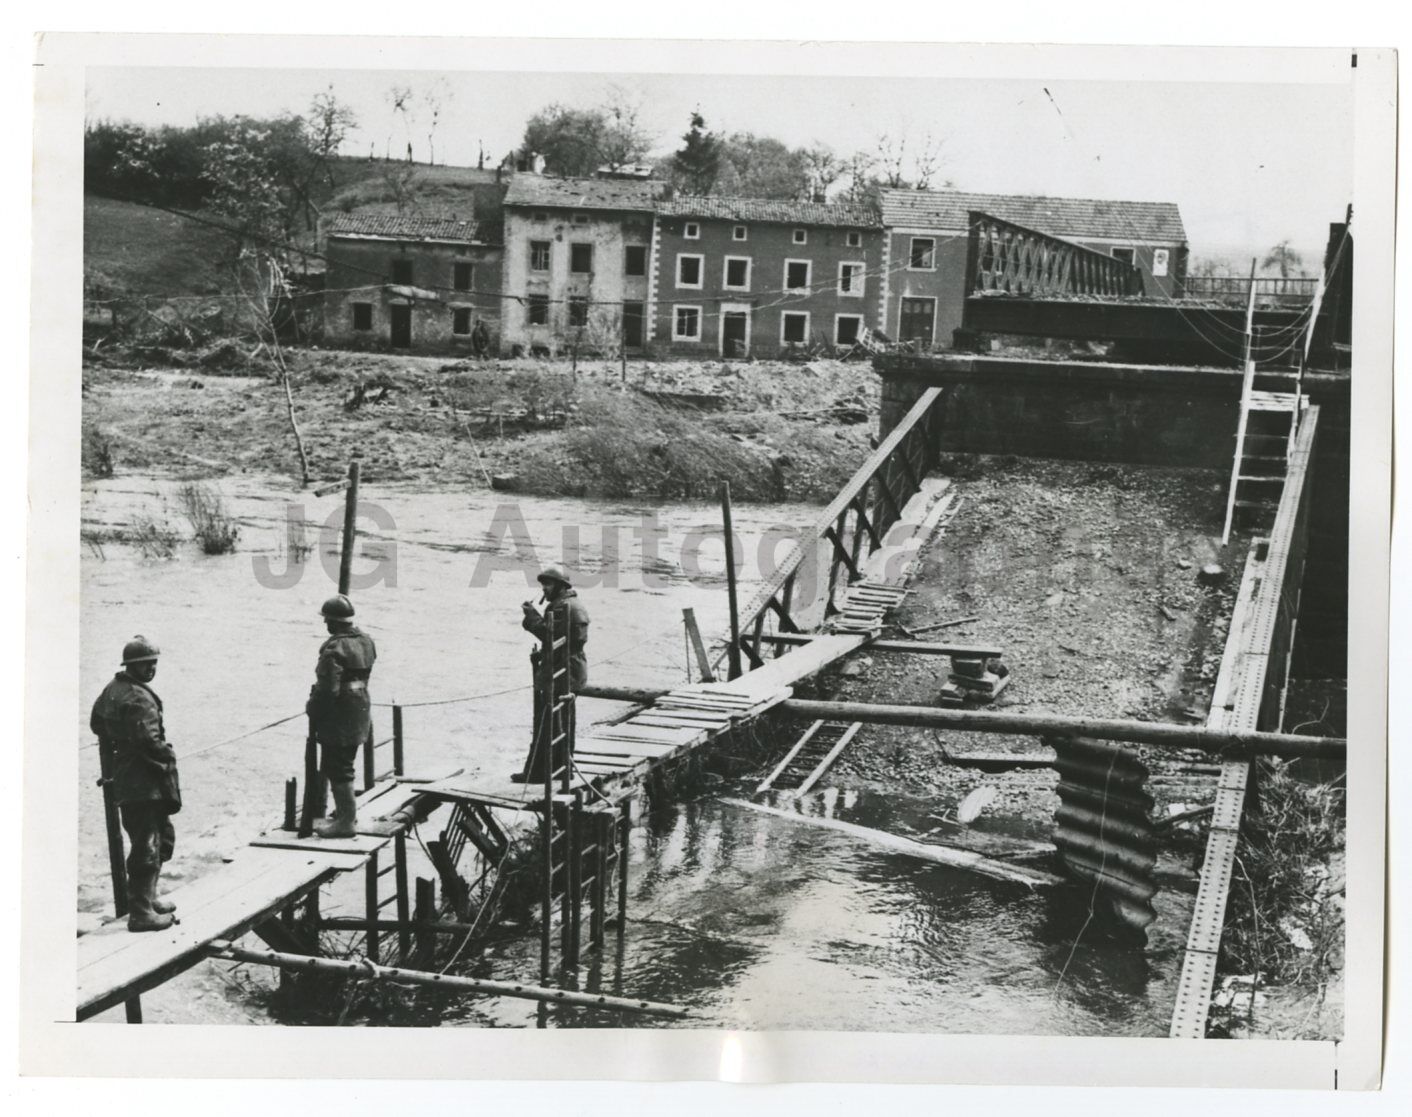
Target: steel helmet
[
  {"x": 139, "y": 650},
  {"x": 337, "y": 608},
  {"x": 555, "y": 573}
]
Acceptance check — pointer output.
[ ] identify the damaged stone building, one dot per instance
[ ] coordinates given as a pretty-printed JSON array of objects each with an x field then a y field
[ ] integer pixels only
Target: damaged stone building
[{"x": 404, "y": 282}]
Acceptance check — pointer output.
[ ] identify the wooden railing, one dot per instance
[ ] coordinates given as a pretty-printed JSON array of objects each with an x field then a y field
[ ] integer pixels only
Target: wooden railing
[
  {"x": 853, "y": 525},
  {"x": 1011, "y": 259}
]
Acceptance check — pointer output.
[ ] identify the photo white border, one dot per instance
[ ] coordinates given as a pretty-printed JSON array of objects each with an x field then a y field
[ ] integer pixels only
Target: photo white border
[{"x": 51, "y": 684}]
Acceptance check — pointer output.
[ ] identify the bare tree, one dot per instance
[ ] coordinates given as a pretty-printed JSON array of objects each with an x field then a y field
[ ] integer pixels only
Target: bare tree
[
  {"x": 625, "y": 138},
  {"x": 400, "y": 180},
  {"x": 927, "y": 161},
  {"x": 891, "y": 160},
  {"x": 401, "y": 99},
  {"x": 862, "y": 183},
  {"x": 437, "y": 98},
  {"x": 265, "y": 293},
  {"x": 898, "y": 170}
]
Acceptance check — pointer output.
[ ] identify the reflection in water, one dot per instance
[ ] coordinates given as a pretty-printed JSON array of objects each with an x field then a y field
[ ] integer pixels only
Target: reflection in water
[{"x": 761, "y": 923}]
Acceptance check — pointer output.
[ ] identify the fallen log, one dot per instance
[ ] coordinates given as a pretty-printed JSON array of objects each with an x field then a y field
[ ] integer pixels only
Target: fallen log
[{"x": 925, "y": 851}]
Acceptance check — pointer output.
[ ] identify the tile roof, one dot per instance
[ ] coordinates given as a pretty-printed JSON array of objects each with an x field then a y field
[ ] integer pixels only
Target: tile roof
[
  {"x": 583, "y": 193},
  {"x": 768, "y": 209},
  {"x": 1060, "y": 217},
  {"x": 396, "y": 227}
]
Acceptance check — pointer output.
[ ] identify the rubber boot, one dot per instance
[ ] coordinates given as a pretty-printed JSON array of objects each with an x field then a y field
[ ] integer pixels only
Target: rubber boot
[
  {"x": 343, "y": 824},
  {"x": 142, "y": 916}
]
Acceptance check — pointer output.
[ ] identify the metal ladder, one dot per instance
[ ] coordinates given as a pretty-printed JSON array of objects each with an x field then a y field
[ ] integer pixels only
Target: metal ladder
[
  {"x": 1265, "y": 432},
  {"x": 584, "y": 846}
]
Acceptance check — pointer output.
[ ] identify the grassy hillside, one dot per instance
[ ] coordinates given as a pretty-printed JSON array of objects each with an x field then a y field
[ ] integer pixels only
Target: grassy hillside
[
  {"x": 367, "y": 186},
  {"x": 129, "y": 248},
  {"x": 135, "y": 249}
]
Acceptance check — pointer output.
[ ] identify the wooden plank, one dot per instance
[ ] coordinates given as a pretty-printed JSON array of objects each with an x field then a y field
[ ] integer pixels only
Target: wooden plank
[
  {"x": 732, "y": 698},
  {"x": 614, "y": 746},
  {"x": 609, "y": 759},
  {"x": 361, "y": 844},
  {"x": 653, "y": 734},
  {"x": 115, "y": 965},
  {"x": 677, "y": 718},
  {"x": 599, "y": 768},
  {"x": 940, "y": 854}
]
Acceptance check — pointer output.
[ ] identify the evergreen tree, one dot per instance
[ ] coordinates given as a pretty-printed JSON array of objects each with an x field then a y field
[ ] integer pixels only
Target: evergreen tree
[{"x": 699, "y": 160}]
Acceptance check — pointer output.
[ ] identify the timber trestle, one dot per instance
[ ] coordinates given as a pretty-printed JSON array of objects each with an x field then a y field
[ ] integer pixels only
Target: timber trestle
[{"x": 855, "y": 525}]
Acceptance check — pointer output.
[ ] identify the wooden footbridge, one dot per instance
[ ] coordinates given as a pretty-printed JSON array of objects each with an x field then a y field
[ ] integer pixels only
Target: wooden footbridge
[
  {"x": 873, "y": 533},
  {"x": 875, "y": 530}
]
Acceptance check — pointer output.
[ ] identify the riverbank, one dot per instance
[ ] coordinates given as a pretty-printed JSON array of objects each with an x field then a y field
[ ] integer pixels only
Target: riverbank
[{"x": 777, "y": 431}]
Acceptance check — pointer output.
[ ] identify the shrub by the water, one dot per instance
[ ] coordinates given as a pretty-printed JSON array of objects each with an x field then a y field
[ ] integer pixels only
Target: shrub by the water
[{"x": 211, "y": 524}]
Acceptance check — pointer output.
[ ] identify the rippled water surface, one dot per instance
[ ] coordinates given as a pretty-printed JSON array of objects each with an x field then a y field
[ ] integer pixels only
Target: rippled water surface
[{"x": 757, "y": 921}]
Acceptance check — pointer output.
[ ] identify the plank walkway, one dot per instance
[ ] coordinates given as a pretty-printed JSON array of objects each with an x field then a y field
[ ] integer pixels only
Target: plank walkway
[
  {"x": 278, "y": 867},
  {"x": 275, "y": 868}
]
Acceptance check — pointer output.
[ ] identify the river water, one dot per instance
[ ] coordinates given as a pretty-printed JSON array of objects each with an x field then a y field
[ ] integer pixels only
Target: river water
[{"x": 759, "y": 922}]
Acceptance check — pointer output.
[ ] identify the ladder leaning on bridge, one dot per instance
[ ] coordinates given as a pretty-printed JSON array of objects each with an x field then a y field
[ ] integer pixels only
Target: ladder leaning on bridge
[{"x": 1270, "y": 417}]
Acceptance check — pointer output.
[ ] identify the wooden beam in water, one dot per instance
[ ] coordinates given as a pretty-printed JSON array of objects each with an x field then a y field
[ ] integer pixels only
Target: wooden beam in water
[
  {"x": 400, "y": 976},
  {"x": 940, "y": 854}
]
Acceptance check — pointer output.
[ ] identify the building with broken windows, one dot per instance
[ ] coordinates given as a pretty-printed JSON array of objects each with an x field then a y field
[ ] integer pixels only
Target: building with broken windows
[
  {"x": 577, "y": 263},
  {"x": 398, "y": 282},
  {"x": 927, "y": 273},
  {"x": 739, "y": 276}
]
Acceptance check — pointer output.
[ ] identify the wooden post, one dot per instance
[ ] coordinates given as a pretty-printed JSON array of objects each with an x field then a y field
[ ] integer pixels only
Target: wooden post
[
  {"x": 313, "y": 789},
  {"x": 404, "y": 931},
  {"x": 569, "y": 905},
  {"x": 291, "y": 800},
  {"x": 350, "y": 528},
  {"x": 603, "y": 824},
  {"x": 370, "y": 895},
  {"x": 423, "y": 914},
  {"x": 734, "y": 670},
  {"x": 624, "y": 833},
  {"x": 398, "y": 756},
  {"x": 547, "y": 896},
  {"x": 693, "y": 632},
  {"x": 116, "y": 866}
]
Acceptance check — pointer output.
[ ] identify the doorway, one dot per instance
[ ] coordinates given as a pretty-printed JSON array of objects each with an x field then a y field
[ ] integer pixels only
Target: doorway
[
  {"x": 632, "y": 325},
  {"x": 735, "y": 330},
  {"x": 916, "y": 321},
  {"x": 401, "y": 327}
]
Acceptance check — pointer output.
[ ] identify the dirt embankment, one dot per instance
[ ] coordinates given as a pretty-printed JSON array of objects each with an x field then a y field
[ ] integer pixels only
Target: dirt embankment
[
  {"x": 671, "y": 430},
  {"x": 1087, "y": 577}
]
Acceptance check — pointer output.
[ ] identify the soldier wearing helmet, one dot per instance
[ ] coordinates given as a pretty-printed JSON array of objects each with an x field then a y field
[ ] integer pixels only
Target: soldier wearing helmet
[
  {"x": 569, "y": 616},
  {"x": 127, "y": 719},
  {"x": 340, "y": 709}
]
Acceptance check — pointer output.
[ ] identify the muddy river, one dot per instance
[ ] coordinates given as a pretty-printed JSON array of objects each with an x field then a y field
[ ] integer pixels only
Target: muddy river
[{"x": 758, "y": 921}]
